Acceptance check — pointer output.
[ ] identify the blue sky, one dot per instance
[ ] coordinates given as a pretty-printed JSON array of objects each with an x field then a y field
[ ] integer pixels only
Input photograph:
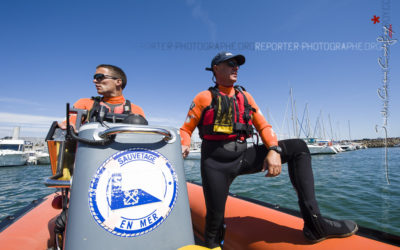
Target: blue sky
[{"x": 327, "y": 51}]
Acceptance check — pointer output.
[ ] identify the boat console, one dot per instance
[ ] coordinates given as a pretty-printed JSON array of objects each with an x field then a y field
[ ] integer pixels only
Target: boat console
[{"x": 125, "y": 187}]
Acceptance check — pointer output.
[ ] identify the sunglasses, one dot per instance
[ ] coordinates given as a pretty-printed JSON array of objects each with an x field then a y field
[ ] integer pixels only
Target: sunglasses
[
  {"x": 232, "y": 64},
  {"x": 101, "y": 77}
]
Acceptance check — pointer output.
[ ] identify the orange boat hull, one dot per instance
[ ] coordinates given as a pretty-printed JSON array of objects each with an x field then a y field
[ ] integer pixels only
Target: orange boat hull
[
  {"x": 249, "y": 226},
  {"x": 34, "y": 230},
  {"x": 253, "y": 226}
]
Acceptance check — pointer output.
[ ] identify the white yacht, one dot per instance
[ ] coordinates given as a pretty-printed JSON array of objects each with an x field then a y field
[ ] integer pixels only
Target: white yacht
[
  {"x": 348, "y": 147},
  {"x": 318, "y": 146},
  {"x": 31, "y": 157},
  {"x": 42, "y": 158},
  {"x": 321, "y": 149},
  {"x": 12, "y": 153},
  {"x": 37, "y": 157}
]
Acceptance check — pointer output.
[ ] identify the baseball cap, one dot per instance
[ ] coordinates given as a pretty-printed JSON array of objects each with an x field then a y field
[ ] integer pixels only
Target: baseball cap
[{"x": 224, "y": 56}]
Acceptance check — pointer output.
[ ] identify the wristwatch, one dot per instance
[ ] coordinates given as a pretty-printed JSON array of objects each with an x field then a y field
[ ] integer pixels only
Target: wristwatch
[{"x": 276, "y": 149}]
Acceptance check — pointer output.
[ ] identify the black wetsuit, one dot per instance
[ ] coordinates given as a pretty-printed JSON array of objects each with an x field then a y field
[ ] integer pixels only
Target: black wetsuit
[{"x": 223, "y": 161}]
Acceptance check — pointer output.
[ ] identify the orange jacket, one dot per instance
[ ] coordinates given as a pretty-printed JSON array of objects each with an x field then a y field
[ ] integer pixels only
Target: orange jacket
[
  {"x": 87, "y": 103},
  {"x": 203, "y": 100}
]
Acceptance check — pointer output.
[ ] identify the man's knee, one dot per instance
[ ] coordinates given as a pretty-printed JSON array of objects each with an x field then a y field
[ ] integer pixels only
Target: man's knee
[
  {"x": 297, "y": 145},
  {"x": 303, "y": 145}
]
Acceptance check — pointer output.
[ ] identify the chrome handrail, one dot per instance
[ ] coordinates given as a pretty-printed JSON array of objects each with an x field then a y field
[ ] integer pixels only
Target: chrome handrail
[
  {"x": 57, "y": 183},
  {"x": 169, "y": 135}
]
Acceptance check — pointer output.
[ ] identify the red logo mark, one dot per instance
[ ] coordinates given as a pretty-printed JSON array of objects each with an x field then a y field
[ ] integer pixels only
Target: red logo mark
[{"x": 375, "y": 19}]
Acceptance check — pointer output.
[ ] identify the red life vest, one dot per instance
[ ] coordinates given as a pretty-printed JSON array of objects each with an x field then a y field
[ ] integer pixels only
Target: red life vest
[
  {"x": 123, "y": 108},
  {"x": 227, "y": 118}
]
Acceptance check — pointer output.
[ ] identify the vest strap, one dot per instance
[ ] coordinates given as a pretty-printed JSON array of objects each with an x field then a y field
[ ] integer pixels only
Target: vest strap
[{"x": 94, "y": 111}]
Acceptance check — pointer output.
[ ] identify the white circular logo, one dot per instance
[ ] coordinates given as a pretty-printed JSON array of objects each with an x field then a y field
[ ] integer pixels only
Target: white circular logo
[{"x": 133, "y": 192}]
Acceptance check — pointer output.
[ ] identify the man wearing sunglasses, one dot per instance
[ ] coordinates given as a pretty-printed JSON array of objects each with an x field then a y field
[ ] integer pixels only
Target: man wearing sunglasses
[
  {"x": 109, "y": 81},
  {"x": 225, "y": 115}
]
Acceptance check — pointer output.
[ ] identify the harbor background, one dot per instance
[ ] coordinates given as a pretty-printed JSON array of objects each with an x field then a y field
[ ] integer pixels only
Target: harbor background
[{"x": 349, "y": 185}]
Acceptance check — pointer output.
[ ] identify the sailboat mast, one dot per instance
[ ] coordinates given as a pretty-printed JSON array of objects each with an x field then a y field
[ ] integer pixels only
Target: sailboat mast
[
  {"x": 308, "y": 123},
  {"x": 323, "y": 125},
  {"x": 349, "y": 130},
  {"x": 294, "y": 119},
  {"x": 330, "y": 124}
]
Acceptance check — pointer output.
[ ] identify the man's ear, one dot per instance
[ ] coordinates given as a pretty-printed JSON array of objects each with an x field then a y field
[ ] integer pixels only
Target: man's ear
[
  {"x": 214, "y": 67},
  {"x": 119, "y": 83}
]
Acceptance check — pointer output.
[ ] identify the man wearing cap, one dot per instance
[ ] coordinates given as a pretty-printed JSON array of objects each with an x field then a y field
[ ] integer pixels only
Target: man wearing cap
[
  {"x": 109, "y": 81},
  {"x": 225, "y": 115}
]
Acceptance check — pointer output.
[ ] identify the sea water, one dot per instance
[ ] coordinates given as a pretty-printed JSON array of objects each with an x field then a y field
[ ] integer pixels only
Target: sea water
[
  {"x": 20, "y": 185},
  {"x": 349, "y": 185}
]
